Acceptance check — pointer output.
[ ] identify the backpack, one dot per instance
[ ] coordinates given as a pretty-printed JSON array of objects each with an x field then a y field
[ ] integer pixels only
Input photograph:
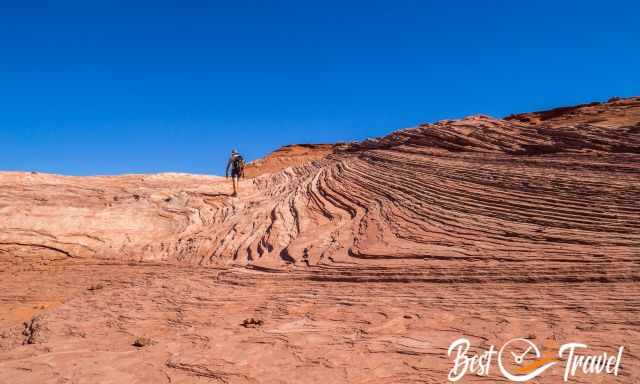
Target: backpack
[{"x": 237, "y": 163}]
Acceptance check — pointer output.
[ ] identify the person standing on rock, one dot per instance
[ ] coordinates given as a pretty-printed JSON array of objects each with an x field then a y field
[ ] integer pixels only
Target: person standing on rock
[{"x": 236, "y": 164}]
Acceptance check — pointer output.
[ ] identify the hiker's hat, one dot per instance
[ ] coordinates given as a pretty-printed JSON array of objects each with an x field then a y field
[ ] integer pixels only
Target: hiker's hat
[{"x": 234, "y": 152}]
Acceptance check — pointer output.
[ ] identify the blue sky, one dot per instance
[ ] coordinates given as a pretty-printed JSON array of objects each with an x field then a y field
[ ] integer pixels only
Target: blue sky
[{"x": 109, "y": 87}]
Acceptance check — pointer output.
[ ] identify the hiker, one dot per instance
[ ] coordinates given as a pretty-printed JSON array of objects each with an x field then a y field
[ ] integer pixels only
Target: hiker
[{"x": 236, "y": 163}]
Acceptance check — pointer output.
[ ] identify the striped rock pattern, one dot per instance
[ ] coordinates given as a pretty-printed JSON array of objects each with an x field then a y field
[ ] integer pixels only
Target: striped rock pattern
[{"x": 363, "y": 263}]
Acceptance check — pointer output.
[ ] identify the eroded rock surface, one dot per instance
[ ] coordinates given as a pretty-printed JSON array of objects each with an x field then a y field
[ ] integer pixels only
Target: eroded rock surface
[
  {"x": 288, "y": 156},
  {"x": 360, "y": 263}
]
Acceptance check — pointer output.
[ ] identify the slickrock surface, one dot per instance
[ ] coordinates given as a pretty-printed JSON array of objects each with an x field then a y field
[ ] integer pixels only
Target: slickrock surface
[
  {"x": 287, "y": 156},
  {"x": 359, "y": 264}
]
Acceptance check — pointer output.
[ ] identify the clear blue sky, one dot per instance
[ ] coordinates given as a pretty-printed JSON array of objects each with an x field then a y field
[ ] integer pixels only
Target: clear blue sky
[{"x": 108, "y": 87}]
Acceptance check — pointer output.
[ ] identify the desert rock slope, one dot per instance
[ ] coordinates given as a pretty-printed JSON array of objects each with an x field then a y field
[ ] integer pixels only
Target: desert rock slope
[{"x": 351, "y": 263}]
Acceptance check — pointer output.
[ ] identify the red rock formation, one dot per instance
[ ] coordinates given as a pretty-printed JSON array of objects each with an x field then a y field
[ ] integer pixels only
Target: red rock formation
[
  {"x": 288, "y": 156},
  {"x": 361, "y": 262}
]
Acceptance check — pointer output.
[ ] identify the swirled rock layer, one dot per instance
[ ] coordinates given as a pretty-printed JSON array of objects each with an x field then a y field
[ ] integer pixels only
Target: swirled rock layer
[{"x": 362, "y": 261}]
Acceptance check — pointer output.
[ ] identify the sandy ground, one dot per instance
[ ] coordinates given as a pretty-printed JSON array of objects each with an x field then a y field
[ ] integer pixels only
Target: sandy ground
[{"x": 307, "y": 330}]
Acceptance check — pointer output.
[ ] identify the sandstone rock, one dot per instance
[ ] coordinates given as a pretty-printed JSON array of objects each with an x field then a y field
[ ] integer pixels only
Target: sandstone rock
[{"x": 363, "y": 261}]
